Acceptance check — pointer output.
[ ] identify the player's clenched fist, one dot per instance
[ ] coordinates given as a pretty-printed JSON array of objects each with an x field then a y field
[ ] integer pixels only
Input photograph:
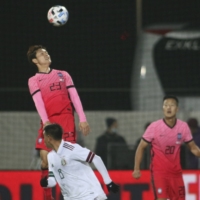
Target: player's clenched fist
[{"x": 136, "y": 174}]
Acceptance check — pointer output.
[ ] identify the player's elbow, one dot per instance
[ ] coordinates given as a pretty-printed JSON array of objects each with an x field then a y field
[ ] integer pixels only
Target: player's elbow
[{"x": 97, "y": 159}]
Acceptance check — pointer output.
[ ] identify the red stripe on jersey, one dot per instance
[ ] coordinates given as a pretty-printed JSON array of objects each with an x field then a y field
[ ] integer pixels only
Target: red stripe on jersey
[
  {"x": 67, "y": 146},
  {"x": 90, "y": 157}
]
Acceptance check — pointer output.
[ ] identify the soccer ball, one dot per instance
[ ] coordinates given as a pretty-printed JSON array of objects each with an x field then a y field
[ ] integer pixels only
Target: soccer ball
[{"x": 57, "y": 15}]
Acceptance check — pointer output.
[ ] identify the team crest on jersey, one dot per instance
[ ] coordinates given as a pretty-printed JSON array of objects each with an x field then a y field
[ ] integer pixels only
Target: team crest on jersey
[
  {"x": 61, "y": 78},
  {"x": 179, "y": 137},
  {"x": 63, "y": 162}
]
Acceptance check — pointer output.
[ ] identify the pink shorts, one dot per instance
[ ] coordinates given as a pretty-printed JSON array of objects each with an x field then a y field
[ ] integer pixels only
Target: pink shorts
[
  {"x": 69, "y": 133},
  {"x": 168, "y": 187}
]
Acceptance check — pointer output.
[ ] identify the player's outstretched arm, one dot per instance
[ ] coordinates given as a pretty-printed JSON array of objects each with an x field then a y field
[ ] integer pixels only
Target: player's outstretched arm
[
  {"x": 98, "y": 163},
  {"x": 138, "y": 158},
  {"x": 193, "y": 148}
]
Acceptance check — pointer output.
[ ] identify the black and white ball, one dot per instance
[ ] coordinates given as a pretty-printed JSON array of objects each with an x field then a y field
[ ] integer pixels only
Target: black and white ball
[{"x": 58, "y": 15}]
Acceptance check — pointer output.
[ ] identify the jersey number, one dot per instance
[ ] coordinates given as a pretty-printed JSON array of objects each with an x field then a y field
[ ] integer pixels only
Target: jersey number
[
  {"x": 181, "y": 191},
  {"x": 55, "y": 86},
  {"x": 61, "y": 174},
  {"x": 169, "y": 149}
]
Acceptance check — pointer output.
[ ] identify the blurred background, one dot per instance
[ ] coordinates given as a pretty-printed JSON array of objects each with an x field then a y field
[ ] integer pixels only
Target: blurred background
[{"x": 123, "y": 56}]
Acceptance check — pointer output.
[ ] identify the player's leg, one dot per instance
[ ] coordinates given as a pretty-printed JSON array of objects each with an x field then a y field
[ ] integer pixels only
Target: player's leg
[
  {"x": 177, "y": 188},
  {"x": 67, "y": 121},
  {"x": 44, "y": 163},
  {"x": 44, "y": 170},
  {"x": 160, "y": 187}
]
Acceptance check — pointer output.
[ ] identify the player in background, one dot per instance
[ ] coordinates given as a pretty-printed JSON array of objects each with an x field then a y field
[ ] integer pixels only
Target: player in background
[
  {"x": 166, "y": 136},
  {"x": 55, "y": 98},
  {"x": 69, "y": 166}
]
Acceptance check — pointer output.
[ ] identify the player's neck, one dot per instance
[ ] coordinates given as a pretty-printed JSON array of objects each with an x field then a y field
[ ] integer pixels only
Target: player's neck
[
  {"x": 44, "y": 69},
  {"x": 170, "y": 121},
  {"x": 56, "y": 145}
]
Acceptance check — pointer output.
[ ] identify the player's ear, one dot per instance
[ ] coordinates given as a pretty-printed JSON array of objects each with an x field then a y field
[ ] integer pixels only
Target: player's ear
[{"x": 34, "y": 60}]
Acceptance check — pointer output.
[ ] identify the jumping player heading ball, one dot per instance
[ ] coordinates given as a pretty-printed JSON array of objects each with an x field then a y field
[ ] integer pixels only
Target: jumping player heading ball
[{"x": 55, "y": 98}]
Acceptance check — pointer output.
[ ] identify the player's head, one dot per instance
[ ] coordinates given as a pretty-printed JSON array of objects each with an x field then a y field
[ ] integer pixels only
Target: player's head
[
  {"x": 170, "y": 106},
  {"x": 52, "y": 133},
  {"x": 38, "y": 55}
]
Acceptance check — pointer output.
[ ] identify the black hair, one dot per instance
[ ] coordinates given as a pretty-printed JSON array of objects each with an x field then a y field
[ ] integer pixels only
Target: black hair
[
  {"x": 171, "y": 97},
  {"x": 110, "y": 121},
  {"x": 31, "y": 54},
  {"x": 54, "y": 130}
]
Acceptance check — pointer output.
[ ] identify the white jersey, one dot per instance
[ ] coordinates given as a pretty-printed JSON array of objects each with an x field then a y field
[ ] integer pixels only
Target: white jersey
[{"x": 69, "y": 165}]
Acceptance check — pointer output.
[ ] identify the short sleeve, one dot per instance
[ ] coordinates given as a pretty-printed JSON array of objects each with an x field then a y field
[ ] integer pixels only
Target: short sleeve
[
  {"x": 69, "y": 81},
  {"x": 82, "y": 154},
  {"x": 33, "y": 86},
  {"x": 149, "y": 133},
  {"x": 187, "y": 134}
]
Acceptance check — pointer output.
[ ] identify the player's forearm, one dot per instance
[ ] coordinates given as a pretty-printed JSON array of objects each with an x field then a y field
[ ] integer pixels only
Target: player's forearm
[
  {"x": 98, "y": 163},
  {"x": 39, "y": 104},
  {"x": 196, "y": 151},
  {"x": 138, "y": 158},
  {"x": 77, "y": 104}
]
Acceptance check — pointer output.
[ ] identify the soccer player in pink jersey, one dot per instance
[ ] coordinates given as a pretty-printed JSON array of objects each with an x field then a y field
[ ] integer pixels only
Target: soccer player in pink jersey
[
  {"x": 55, "y": 98},
  {"x": 166, "y": 136}
]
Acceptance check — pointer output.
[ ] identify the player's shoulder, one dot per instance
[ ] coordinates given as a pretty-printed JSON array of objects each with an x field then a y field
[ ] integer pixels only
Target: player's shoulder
[
  {"x": 181, "y": 122},
  {"x": 60, "y": 71},
  {"x": 50, "y": 154},
  {"x": 156, "y": 123},
  {"x": 68, "y": 146},
  {"x": 32, "y": 79}
]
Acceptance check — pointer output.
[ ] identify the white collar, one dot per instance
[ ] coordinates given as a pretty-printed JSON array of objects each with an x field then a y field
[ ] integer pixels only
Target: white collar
[{"x": 60, "y": 148}]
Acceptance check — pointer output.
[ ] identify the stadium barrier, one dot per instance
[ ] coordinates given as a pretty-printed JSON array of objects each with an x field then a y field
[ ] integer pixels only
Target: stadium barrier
[{"x": 24, "y": 185}]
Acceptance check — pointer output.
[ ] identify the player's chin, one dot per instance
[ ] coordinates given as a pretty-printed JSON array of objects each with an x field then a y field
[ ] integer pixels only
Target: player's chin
[{"x": 170, "y": 116}]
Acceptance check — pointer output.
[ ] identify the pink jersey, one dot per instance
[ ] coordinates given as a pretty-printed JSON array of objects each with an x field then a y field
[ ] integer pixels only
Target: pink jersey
[
  {"x": 53, "y": 87},
  {"x": 165, "y": 145}
]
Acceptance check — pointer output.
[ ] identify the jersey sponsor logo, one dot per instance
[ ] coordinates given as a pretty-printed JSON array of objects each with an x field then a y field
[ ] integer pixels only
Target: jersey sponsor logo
[
  {"x": 68, "y": 146},
  {"x": 63, "y": 162},
  {"x": 90, "y": 157},
  {"x": 179, "y": 137}
]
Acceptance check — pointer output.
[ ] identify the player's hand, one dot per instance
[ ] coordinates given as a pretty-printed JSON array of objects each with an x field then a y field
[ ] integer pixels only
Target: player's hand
[
  {"x": 44, "y": 182},
  {"x": 84, "y": 128},
  {"x": 136, "y": 174},
  {"x": 112, "y": 187}
]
